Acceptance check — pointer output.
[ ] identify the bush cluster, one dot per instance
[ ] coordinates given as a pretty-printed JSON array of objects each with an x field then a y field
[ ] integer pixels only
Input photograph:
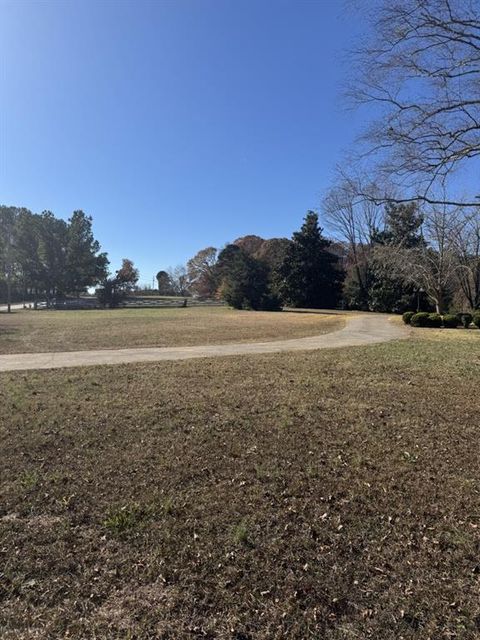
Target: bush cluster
[
  {"x": 435, "y": 320},
  {"x": 420, "y": 319},
  {"x": 476, "y": 319},
  {"x": 407, "y": 316},
  {"x": 450, "y": 321}
]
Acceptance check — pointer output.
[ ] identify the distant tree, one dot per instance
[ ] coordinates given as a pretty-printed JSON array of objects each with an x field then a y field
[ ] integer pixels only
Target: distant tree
[
  {"x": 46, "y": 255},
  {"x": 432, "y": 265},
  {"x": 165, "y": 287},
  {"x": 244, "y": 281},
  {"x": 466, "y": 241},
  {"x": 127, "y": 276},
  {"x": 52, "y": 250},
  {"x": 28, "y": 235},
  {"x": 83, "y": 265},
  {"x": 310, "y": 275},
  {"x": 201, "y": 272},
  {"x": 114, "y": 290},
  {"x": 355, "y": 221},
  {"x": 7, "y": 248},
  {"x": 109, "y": 293},
  {"x": 179, "y": 279},
  {"x": 386, "y": 291}
]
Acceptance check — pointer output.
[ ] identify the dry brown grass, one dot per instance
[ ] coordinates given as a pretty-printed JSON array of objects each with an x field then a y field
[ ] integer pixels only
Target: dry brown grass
[
  {"x": 39, "y": 331},
  {"x": 330, "y": 494}
]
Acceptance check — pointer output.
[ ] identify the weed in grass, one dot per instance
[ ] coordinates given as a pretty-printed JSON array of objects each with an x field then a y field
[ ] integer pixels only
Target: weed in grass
[
  {"x": 120, "y": 520},
  {"x": 168, "y": 506},
  {"x": 241, "y": 534},
  {"x": 29, "y": 479}
]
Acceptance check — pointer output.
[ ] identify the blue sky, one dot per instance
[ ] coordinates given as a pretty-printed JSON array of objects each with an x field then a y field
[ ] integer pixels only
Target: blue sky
[{"x": 176, "y": 125}]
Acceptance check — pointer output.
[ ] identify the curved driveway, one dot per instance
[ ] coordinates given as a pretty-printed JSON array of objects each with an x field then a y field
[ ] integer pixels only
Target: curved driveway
[{"x": 359, "y": 330}]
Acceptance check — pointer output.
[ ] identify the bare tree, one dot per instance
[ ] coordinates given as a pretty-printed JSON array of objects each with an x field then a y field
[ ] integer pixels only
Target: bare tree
[
  {"x": 422, "y": 71},
  {"x": 179, "y": 280},
  {"x": 354, "y": 220},
  {"x": 467, "y": 248},
  {"x": 433, "y": 266}
]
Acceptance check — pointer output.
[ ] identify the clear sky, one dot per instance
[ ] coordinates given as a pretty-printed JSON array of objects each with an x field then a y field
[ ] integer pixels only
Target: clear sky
[{"x": 176, "y": 124}]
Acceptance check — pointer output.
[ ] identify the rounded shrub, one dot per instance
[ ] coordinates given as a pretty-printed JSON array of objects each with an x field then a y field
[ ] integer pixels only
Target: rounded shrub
[
  {"x": 450, "y": 321},
  {"x": 434, "y": 320},
  {"x": 476, "y": 319},
  {"x": 407, "y": 316},
  {"x": 419, "y": 319},
  {"x": 465, "y": 319}
]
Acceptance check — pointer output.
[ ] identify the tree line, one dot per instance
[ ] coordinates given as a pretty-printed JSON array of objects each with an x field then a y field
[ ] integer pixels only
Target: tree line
[
  {"x": 253, "y": 273},
  {"x": 389, "y": 257},
  {"x": 43, "y": 257}
]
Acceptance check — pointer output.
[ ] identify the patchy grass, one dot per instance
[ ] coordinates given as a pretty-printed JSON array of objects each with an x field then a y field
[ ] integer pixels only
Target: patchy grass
[
  {"x": 330, "y": 494},
  {"x": 39, "y": 331}
]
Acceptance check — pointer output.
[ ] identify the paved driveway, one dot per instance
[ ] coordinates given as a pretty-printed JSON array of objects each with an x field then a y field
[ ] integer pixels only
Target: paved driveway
[{"x": 359, "y": 330}]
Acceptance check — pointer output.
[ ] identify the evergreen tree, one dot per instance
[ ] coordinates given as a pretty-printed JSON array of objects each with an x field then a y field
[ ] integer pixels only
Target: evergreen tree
[
  {"x": 53, "y": 236},
  {"x": 7, "y": 248},
  {"x": 84, "y": 265},
  {"x": 387, "y": 293},
  {"x": 244, "y": 281},
  {"x": 310, "y": 275},
  {"x": 403, "y": 224},
  {"x": 27, "y": 251}
]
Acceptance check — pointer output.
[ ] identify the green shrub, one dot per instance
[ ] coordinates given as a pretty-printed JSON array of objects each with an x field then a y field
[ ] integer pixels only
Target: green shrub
[
  {"x": 419, "y": 319},
  {"x": 465, "y": 319},
  {"x": 434, "y": 320},
  {"x": 407, "y": 316},
  {"x": 450, "y": 321},
  {"x": 476, "y": 319}
]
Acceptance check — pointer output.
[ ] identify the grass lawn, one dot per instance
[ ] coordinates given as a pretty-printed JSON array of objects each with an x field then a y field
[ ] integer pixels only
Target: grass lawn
[
  {"x": 38, "y": 331},
  {"x": 321, "y": 495}
]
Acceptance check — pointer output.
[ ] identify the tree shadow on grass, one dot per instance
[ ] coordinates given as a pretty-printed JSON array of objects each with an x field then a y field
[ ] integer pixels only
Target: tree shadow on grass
[{"x": 321, "y": 312}]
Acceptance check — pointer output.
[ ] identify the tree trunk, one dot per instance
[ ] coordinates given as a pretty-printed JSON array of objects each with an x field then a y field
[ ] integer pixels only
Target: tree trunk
[
  {"x": 440, "y": 304},
  {"x": 9, "y": 290}
]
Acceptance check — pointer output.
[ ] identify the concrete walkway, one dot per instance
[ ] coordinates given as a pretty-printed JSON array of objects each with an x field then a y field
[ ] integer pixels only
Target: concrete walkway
[{"x": 359, "y": 330}]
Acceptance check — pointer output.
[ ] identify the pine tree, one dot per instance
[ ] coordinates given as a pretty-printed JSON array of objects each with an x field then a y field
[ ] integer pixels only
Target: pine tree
[
  {"x": 85, "y": 266},
  {"x": 310, "y": 275},
  {"x": 386, "y": 292}
]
